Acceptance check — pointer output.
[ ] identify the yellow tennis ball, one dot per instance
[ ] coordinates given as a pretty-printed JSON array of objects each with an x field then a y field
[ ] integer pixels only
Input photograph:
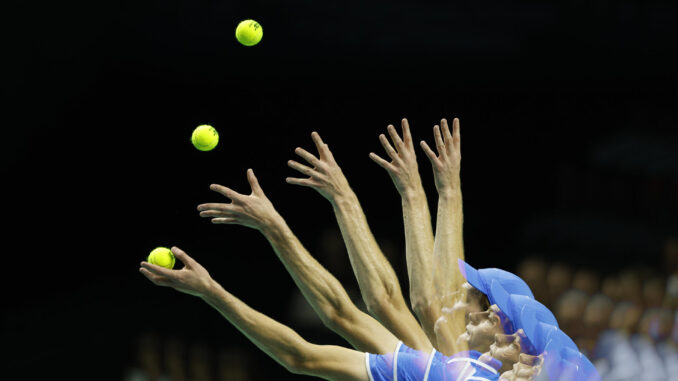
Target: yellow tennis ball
[
  {"x": 249, "y": 32},
  {"x": 161, "y": 256},
  {"x": 205, "y": 137}
]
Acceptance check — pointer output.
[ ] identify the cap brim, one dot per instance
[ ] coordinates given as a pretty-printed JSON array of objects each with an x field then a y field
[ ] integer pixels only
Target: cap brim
[
  {"x": 472, "y": 276},
  {"x": 499, "y": 296}
]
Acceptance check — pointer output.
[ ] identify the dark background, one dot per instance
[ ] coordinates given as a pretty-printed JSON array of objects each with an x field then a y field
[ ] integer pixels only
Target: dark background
[{"x": 569, "y": 141}]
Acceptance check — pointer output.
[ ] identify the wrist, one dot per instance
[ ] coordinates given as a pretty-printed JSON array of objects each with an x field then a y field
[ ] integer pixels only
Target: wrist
[
  {"x": 343, "y": 199},
  {"x": 211, "y": 290},
  {"x": 275, "y": 227},
  {"x": 413, "y": 194},
  {"x": 450, "y": 193}
]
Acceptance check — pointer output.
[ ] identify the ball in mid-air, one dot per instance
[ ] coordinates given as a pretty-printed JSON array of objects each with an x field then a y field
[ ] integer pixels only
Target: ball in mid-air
[
  {"x": 205, "y": 137},
  {"x": 249, "y": 32},
  {"x": 161, "y": 256}
]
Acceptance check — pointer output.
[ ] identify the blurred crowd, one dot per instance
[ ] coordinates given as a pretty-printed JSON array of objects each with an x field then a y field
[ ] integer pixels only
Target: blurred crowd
[
  {"x": 625, "y": 321},
  {"x": 158, "y": 357}
]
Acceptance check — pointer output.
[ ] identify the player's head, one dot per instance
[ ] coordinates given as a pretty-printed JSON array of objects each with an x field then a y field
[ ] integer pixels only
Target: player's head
[
  {"x": 507, "y": 349},
  {"x": 483, "y": 326},
  {"x": 482, "y": 281}
]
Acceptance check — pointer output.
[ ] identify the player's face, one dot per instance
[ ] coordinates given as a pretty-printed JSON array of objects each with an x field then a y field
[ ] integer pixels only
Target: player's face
[
  {"x": 525, "y": 369},
  {"x": 481, "y": 329},
  {"x": 506, "y": 348}
]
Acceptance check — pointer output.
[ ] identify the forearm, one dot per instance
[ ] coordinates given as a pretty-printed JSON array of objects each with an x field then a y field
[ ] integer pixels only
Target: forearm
[
  {"x": 320, "y": 288},
  {"x": 419, "y": 253},
  {"x": 376, "y": 278},
  {"x": 278, "y": 341},
  {"x": 418, "y": 246},
  {"x": 449, "y": 245}
]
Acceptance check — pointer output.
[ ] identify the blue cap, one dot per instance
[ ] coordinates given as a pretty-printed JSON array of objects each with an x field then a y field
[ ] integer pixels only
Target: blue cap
[
  {"x": 563, "y": 362},
  {"x": 525, "y": 313},
  {"x": 513, "y": 305},
  {"x": 482, "y": 280},
  {"x": 544, "y": 336}
]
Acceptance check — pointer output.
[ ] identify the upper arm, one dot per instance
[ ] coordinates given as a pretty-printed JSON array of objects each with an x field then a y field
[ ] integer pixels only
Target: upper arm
[{"x": 334, "y": 363}]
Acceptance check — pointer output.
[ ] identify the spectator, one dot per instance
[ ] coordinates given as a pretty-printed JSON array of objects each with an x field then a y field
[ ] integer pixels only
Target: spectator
[
  {"x": 569, "y": 311},
  {"x": 533, "y": 271},
  {"x": 558, "y": 280},
  {"x": 586, "y": 280},
  {"x": 614, "y": 355},
  {"x": 148, "y": 365},
  {"x": 596, "y": 321}
]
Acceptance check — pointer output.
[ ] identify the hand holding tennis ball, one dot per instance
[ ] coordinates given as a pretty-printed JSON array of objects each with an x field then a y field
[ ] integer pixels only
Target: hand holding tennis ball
[
  {"x": 192, "y": 279},
  {"x": 249, "y": 32},
  {"x": 161, "y": 256},
  {"x": 205, "y": 137}
]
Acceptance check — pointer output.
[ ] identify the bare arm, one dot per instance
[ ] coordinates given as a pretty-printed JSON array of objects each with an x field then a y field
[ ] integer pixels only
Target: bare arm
[
  {"x": 277, "y": 340},
  {"x": 404, "y": 172},
  {"x": 320, "y": 288},
  {"x": 448, "y": 245},
  {"x": 377, "y": 280}
]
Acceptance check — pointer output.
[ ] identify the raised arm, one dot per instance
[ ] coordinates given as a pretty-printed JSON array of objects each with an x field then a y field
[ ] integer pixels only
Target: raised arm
[
  {"x": 378, "y": 282},
  {"x": 278, "y": 341},
  {"x": 448, "y": 245},
  {"x": 404, "y": 172},
  {"x": 320, "y": 288}
]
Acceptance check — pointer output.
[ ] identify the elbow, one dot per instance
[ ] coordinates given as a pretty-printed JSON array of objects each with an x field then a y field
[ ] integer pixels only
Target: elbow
[
  {"x": 426, "y": 310},
  {"x": 295, "y": 363},
  {"x": 386, "y": 296}
]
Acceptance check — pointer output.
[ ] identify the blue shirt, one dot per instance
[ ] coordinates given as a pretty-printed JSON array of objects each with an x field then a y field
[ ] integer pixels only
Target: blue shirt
[{"x": 407, "y": 364}]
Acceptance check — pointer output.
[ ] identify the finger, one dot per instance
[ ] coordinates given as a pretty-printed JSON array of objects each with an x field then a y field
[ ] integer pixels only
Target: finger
[
  {"x": 429, "y": 152},
  {"x": 224, "y": 221},
  {"x": 216, "y": 213},
  {"x": 308, "y": 171},
  {"x": 456, "y": 134},
  {"x": 440, "y": 144},
  {"x": 400, "y": 146},
  {"x": 216, "y": 206},
  {"x": 183, "y": 257},
  {"x": 382, "y": 163},
  {"x": 388, "y": 148},
  {"x": 446, "y": 131},
  {"x": 156, "y": 279},
  {"x": 228, "y": 192},
  {"x": 309, "y": 157},
  {"x": 158, "y": 270},
  {"x": 407, "y": 136},
  {"x": 254, "y": 183},
  {"x": 298, "y": 181},
  {"x": 319, "y": 144}
]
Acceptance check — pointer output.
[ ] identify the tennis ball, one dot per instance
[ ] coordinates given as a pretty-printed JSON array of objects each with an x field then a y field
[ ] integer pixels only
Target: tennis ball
[
  {"x": 205, "y": 137},
  {"x": 161, "y": 256},
  {"x": 249, "y": 32}
]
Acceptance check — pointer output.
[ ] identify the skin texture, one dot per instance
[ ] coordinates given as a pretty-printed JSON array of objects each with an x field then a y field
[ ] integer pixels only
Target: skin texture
[
  {"x": 526, "y": 369},
  {"x": 377, "y": 280},
  {"x": 482, "y": 329},
  {"x": 278, "y": 341},
  {"x": 320, "y": 288},
  {"x": 507, "y": 349}
]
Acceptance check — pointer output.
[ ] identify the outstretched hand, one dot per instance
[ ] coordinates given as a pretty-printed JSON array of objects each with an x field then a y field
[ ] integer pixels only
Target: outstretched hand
[
  {"x": 447, "y": 163},
  {"x": 253, "y": 210},
  {"x": 324, "y": 176},
  {"x": 402, "y": 168},
  {"x": 192, "y": 279}
]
